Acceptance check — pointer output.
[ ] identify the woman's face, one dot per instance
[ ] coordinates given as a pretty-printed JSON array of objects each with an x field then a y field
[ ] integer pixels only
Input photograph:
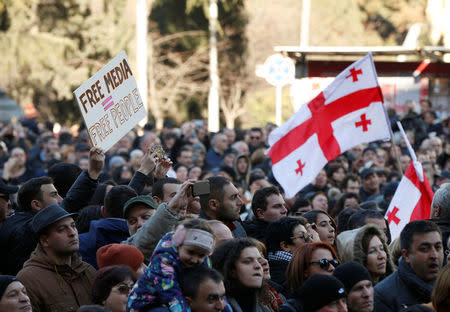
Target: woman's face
[
  {"x": 265, "y": 266},
  {"x": 194, "y": 173},
  {"x": 299, "y": 236},
  {"x": 248, "y": 270},
  {"x": 118, "y": 297},
  {"x": 182, "y": 173},
  {"x": 376, "y": 257},
  {"x": 315, "y": 267},
  {"x": 242, "y": 165},
  {"x": 339, "y": 175},
  {"x": 320, "y": 202},
  {"x": 350, "y": 202},
  {"x": 15, "y": 298},
  {"x": 325, "y": 228}
]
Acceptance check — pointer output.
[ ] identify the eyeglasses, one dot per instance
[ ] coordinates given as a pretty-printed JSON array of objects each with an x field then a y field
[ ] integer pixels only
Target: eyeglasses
[
  {"x": 302, "y": 235},
  {"x": 255, "y": 137},
  {"x": 325, "y": 263},
  {"x": 124, "y": 289},
  {"x": 5, "y": 197}
]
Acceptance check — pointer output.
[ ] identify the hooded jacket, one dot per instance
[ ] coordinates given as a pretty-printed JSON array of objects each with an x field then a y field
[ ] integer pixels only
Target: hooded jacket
[
  {"x": 56, "y": 288},
  {"x": 350, "y": 246},
  {"x": 401, "y": 289},
  {"x": 242, "y": 179},
  {"x": 102, "y": 232}
]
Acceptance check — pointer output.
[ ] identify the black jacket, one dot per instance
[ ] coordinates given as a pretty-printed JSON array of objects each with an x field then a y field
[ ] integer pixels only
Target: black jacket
[
  {"x": 255, "y": 228},
  {"x": 17, "y": 239},
  {"x": 401, "y": 289}
]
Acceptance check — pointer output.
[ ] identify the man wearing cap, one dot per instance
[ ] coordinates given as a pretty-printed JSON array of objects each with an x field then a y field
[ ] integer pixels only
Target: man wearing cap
[
  {"x": 370, "y": 185},
  {"x": 163, "y": 219},
  {"x": 319, "y": 293},
  {"x": 5, "y": 202},
  {"x": 16, "y": 235},
  {"x": 137, "y": 210},
  {"x": 55, "y": 277},
  {"x": 358, "y": 285}
]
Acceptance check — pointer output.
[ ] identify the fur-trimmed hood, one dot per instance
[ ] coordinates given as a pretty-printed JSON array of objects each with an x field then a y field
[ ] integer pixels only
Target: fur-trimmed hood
[{"x": 350, "y": 246}]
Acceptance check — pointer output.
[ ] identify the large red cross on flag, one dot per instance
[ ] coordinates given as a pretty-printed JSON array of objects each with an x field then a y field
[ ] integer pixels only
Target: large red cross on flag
[
  {"x": 348, "y": 112},
  {"x": 411, "y": 201}
]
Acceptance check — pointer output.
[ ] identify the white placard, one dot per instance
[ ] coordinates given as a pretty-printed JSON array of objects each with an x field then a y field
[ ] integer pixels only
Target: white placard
[{"x": 110, "y": 102}]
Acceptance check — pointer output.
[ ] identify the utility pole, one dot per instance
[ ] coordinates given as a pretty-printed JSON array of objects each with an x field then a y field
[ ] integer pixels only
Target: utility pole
[
  {"x": 213, "y": 97},
  {"x": 141, "y": 53},
  {"x": 304, "y": 33}
]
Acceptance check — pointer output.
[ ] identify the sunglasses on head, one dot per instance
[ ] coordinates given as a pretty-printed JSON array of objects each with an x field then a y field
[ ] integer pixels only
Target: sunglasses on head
[
  {"x": 302, "y": 235},
  {"x": 325, "y": 263}
]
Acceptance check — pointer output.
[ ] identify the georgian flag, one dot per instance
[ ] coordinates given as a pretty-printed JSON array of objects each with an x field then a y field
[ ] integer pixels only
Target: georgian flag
[
  {"x": 411, "y": 201},
  {"x": 348, "y": 112}
]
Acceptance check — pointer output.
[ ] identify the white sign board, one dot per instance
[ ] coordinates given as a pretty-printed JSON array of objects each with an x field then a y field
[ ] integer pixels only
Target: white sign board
[{"x": 110, "y": 102}]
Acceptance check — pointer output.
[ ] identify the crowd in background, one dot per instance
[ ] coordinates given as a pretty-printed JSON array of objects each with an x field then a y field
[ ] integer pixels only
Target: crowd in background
[{"x": 86, "y": 230}]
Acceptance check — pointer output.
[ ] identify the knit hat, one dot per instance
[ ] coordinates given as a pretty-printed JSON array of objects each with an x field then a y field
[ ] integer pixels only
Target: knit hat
[
  {"x": 351, "y": 273},
  {"x": 115, "y": 254},
  {"x": 320, "y": 290},
  {"x": 5, "y": 280}
]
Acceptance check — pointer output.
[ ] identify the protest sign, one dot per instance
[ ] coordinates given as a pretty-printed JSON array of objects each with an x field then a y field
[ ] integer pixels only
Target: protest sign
[{"x": 110, "y": 102}]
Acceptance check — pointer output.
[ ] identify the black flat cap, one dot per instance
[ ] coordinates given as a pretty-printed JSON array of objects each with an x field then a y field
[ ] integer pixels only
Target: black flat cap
[{"x": 48, "y": 216}]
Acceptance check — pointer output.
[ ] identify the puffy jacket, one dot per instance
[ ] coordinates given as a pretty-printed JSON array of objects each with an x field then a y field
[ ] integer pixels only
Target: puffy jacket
[
  {"x": 102, "y": 232},
  {"x": 56, "y": 288}
]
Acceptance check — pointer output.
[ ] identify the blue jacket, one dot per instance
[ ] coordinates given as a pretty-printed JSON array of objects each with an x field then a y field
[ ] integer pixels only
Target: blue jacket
[
  {"x": 102, "y": 232},
  {"x": 401, "y": 289}
]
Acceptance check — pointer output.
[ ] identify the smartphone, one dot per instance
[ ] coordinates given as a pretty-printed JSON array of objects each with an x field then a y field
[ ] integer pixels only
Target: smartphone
[{"x": 201, "y": 188}]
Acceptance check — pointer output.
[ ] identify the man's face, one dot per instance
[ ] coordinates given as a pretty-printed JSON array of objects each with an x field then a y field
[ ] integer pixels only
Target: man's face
[
  {"x": 221, "y": 232},
  {"x": 185, "y": 158},
  {"x": 221, "y": 143},
  {"x": 404, "y": 162},
  {"x": 275, "y": 209},
  {"x": 321, "y": 179},
  {"x": 352, "y": 187},
  {"x": 169, "y": 191},
  {"x": 137, "y": 216},
  {"x": 371, "y": 183},
  {"x": 426, "y": 255},
  {"x": 19, "y": 154},
  {"x": 360, "y": 297},
  {"x": 210, "y": 297},
  {"x": 52, "y": 145},
  {"x": 255, "y": 138},
  {"x": 50, "y": 195},
  {"x": 369, "y": 155},
  {"x": 231, "y": 204},
  {"x": 62, "y": 237}
]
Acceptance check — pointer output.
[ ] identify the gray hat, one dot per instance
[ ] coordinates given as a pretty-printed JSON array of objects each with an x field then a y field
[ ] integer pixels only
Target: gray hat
[
  {"x": 141, "y": 199},
  {"x": 48, "y": 216}
]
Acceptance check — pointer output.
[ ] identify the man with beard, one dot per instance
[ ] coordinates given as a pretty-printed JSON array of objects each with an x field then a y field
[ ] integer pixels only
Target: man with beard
[
  {"x": 358, "y": 285},
  {"x": 422, "y": 257},
  {"x": 223, "y": 204},
  {"x": 55, "y": 277}
]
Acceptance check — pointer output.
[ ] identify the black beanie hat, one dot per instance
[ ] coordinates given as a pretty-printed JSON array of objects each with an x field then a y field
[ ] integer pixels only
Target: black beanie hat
[
  {"x": 320, "y": 290},
  {"x": 5, "y": 280},
  {"x": 350, "y": 273}
]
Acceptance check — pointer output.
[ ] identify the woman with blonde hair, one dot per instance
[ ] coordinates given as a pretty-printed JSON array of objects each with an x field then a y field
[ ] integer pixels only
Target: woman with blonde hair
[{"x": 440, "y": 297}]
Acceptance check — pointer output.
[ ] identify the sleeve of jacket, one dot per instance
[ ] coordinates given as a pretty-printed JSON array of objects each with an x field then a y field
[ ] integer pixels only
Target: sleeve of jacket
[
  {"x": 148, "y": 236},
  {"x": 159, "y": 285},
  {"x": 137, "y": 182},
  {"x": 32, "y": 290},
  {"x": 80, "y": 193}
]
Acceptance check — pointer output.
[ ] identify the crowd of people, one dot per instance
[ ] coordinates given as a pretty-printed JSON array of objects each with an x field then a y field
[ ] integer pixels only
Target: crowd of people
[{"x": 82, "y": 229}]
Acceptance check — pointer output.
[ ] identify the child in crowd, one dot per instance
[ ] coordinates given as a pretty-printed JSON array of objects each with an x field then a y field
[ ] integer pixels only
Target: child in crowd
[{"x": 189, "y": 245}]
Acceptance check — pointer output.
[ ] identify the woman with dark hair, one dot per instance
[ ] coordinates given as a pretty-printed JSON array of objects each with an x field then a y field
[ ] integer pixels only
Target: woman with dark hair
[
  {"x": 367, "y": 246},
  {"x": 242, "y": 169},
  {"x": 111, "y": 287},
  {"x": 282, "y": 238},
  {"x": 312, "y": 258},
  {"x": 346, "y": 200},
  {"x": 239, "y": 262},
  {"x": 319, "y": 201},
  {"x": 335, "y": 174},
  {"x": 326, "y": 227}
]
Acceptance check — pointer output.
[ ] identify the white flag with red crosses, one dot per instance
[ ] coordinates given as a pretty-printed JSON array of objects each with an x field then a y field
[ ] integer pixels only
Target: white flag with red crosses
[
  {"x": 350, "y": 111},
  {"x": 411, "y": 201}
]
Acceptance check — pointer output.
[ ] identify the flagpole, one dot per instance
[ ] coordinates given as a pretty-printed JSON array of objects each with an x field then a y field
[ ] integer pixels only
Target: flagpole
[{"x": 417, "y": 165}]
